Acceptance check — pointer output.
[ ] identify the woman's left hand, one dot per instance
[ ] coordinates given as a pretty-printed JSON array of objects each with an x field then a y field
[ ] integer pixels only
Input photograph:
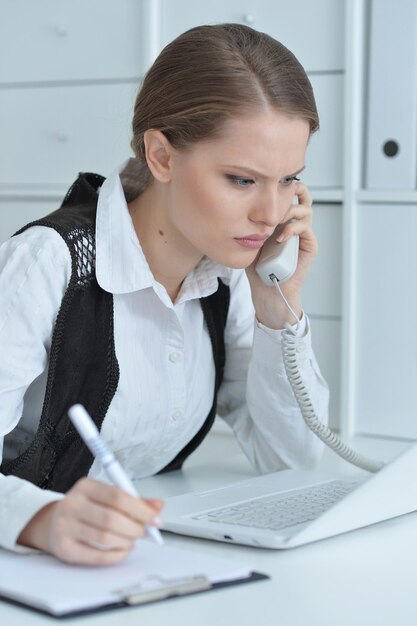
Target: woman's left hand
[{"x": 270, "y": 308}]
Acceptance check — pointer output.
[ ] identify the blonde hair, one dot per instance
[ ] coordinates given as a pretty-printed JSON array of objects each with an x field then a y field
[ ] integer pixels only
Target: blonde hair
[{"x": 208, "y": 75}]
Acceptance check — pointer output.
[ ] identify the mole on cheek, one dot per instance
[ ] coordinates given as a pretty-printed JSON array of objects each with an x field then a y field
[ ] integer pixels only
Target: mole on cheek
[{"x": 161, "y": 232}]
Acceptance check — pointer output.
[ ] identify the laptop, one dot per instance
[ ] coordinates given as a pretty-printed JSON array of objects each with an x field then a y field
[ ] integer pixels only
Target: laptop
[{"x": 294, "y": 507}]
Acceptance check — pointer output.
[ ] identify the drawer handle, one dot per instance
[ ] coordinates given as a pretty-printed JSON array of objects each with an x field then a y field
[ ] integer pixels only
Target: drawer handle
[
  {"x": 62, "y": 136},
  {"x": 61, "y": 31},
  {"x": 249, "y": 18}
]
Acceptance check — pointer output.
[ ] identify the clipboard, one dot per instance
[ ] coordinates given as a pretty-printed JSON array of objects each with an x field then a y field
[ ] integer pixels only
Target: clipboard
[{"x": 43, "y": 584}]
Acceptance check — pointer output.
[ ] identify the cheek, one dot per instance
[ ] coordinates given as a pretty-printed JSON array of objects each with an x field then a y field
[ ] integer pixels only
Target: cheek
[
  {"x": 199, "y": 199},
  {"x": 202, "y": 195}
]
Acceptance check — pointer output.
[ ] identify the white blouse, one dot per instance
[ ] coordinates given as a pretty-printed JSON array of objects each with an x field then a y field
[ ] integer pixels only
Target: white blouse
[{"x": 167, "y": 370}]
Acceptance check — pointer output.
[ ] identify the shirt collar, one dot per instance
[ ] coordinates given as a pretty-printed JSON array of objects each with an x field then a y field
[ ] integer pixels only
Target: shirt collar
[{"x": 121, "y": 266}]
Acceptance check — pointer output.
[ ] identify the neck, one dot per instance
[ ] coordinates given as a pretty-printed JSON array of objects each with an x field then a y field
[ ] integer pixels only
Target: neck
[{"x": 168, "y": 253}]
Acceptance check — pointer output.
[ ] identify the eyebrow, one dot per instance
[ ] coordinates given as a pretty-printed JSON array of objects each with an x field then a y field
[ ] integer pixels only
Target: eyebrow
[{"x": 255, "y": 173}]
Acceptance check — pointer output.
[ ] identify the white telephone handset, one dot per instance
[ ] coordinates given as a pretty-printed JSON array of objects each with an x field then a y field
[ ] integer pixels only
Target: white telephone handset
[
  {"x": 276, "y": 259},
  {"x": 277, "y": 262}
]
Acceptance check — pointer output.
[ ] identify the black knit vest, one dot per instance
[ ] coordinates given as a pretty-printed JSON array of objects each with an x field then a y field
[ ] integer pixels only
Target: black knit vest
[{"x": 82, "y": 363}]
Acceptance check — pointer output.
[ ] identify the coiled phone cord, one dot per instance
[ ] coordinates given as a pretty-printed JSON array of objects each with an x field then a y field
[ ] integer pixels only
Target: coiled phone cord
[{"x": 289, "y": 351}]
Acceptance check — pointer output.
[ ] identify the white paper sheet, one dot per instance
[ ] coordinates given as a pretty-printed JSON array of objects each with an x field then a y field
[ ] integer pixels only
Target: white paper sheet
[{"x": 41, "y": 581}]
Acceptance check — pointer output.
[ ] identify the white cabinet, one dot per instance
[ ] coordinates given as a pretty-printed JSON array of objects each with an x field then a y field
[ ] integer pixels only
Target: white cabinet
[
  {"x": 312, "y": 30},
  {"x": 69, "y": 73},
  {"x": 46, "y": 40},
  {"x": 64, "y": 130},
  {"x": 379, "y": 302},
  {"x": 68, "y": 79}
]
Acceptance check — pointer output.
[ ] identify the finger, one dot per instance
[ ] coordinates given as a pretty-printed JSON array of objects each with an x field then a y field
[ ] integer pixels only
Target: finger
[
  {"x": 295, "y": 227},
  {"x": 299, "y": 212},
  {"x": 75, "y": 511},
  {"x": 115, "y": 498},
  {"x": 156, "y": 503},
  {"x": 78, "y": 553},
  {"x": 101, "y": 539},
  {"x": 103, "y": 513},
  {"x": 308, "y": 240},
  {"x": 303, "y": 194},
  {"x": 108, "y": 519},
  {"x": 299, "y": 227}
]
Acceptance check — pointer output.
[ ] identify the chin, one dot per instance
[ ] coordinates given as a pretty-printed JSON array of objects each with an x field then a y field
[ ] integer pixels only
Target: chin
[
  {"x": 237, "y": 262},
  {"x": 238, "y": 266}
]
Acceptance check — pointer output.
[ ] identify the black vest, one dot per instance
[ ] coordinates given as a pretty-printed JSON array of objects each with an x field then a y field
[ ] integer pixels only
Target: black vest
[{"x": 82, "y": 363}]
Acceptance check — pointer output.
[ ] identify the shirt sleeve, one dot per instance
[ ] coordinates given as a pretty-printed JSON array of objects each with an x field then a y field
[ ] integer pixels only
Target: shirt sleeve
[
  {"x": 35, "y": 268},
  {"x": 256, "y": 398}
]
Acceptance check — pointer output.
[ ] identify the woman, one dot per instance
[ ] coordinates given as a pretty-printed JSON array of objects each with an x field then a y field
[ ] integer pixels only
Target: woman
[{"x": 138, "y": 298}]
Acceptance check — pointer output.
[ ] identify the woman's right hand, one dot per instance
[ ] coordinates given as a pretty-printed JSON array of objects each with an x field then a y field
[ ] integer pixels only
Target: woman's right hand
[{"x": 94, "y": 524}]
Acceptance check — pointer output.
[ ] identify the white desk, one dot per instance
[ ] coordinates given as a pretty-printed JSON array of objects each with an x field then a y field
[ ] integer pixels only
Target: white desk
[{"x": 363, "y": 577}]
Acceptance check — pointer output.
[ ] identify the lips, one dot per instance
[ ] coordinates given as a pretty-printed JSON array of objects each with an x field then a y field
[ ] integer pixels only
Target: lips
[
  {"x": 252, "y": 241},
  {"x": 254, "y": 237}
]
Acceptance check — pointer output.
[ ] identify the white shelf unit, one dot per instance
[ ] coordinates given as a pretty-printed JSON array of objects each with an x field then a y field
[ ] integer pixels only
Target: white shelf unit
[{"x": 379, "y": 298}]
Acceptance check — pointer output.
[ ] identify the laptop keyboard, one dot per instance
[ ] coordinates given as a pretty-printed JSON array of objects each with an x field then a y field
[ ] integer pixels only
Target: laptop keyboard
[{"x": 277, "y": 511}]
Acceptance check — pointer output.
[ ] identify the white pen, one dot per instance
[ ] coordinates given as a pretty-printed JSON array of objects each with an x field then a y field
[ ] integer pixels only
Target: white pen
[{"x": 91, "y": 437}]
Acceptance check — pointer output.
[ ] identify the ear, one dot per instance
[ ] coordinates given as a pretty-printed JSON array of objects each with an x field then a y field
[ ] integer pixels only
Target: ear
[{"x": 158, "y": 152}]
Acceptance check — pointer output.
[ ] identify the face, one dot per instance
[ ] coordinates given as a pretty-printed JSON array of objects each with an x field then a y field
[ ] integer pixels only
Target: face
[{"x": 227, "y": 195}]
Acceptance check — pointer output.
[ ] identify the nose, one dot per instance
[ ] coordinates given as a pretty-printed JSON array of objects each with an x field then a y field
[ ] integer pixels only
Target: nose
[{"x": 271, "y": 207}]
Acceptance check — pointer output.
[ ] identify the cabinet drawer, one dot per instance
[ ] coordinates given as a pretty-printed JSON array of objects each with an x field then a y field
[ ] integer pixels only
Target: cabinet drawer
[
  {"x": 48, "y": 40},
  {"x": 322, "y": 293},
  {"x": 324, "y": 161},
  {"x": 50, "y": 134},
  {"x": 313, "y": 31}
]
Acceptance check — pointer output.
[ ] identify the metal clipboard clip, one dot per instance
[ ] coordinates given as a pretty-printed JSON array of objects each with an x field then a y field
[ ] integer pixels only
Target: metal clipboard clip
[{"x": 154, "y": 588}]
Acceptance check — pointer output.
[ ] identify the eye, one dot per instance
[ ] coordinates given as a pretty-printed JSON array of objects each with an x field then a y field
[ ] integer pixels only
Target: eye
[
  {"x": 287, "y": 181},
  {"x": 239, "y": 181}
]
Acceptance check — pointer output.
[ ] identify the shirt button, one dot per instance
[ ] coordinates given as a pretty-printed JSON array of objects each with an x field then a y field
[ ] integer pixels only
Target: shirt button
[
  {"x": 176, "y": 415},
  {"x": 174, "y": 357}
]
